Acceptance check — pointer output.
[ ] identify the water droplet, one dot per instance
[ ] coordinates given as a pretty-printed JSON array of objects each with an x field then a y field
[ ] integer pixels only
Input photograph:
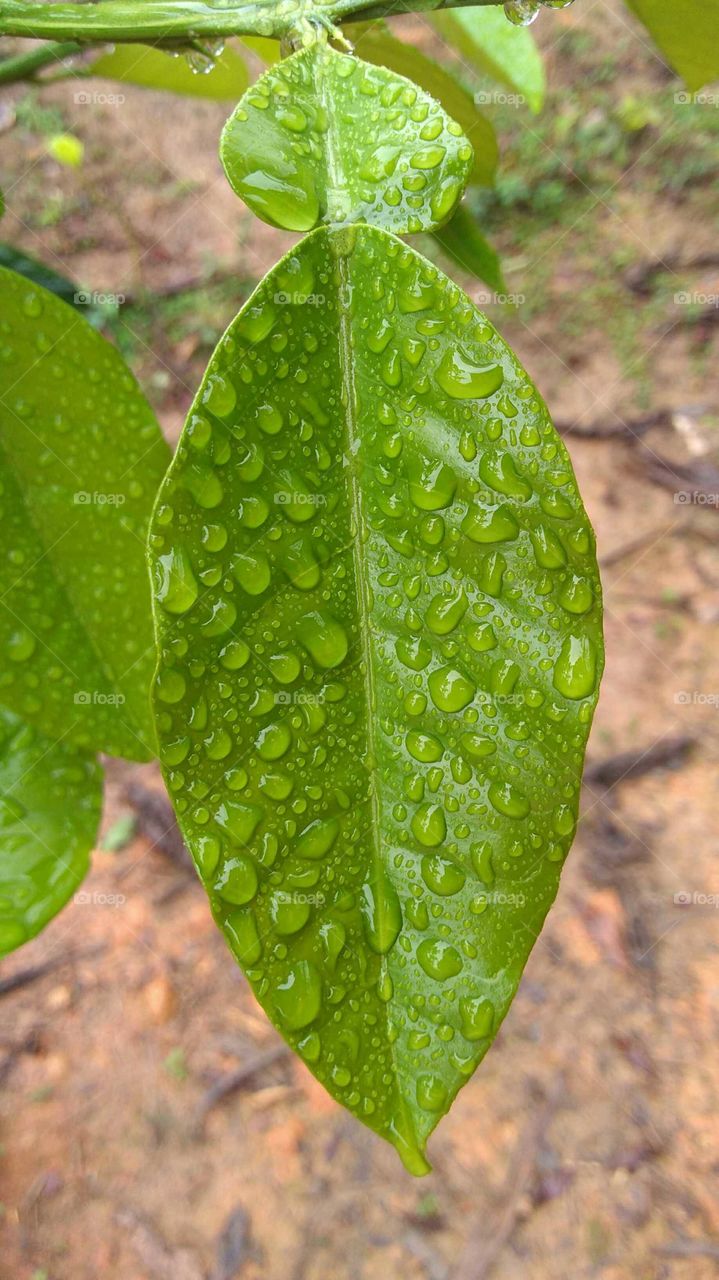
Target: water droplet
[
  {"x": 450, "y": 690},
  {"x": 463, "y": 378},
  {"x": 429, "y": 825},
  {"x": 508, "y": 800},
  {"x": 237, "y": 881},
  {"x": 298, "y": 997},
  {"x": 424, "y": 746},
  {"x": 318, "y": 838},
  {"x": 381, "y": 913},
  {"x": 441, "y": 875},
  {"x": 575, "y": 671},
  {"x": 440, "y": 960},
  {"x": 324, "y": 638},
  {"x": 175, "y": 583},
  {"x": 477, "y": 1018},
  {"x": 431, "y": 1093}
]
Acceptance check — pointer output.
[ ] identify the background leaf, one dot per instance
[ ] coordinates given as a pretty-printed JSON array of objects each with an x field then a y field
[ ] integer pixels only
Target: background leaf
[
  {"x": 462, "y": 240},
  {"x": 41, "y": 274},
  {"x": 326, "y": 137},
  {"x": 495, "y": 46},
  {"x": 50, "y": 801},
  {"x": 375, "y": 44},
  {"x": 687, "y": 33},
  {"x": 380, "y": 651},
  {"x": 154, "y": 69},
  {"x": 81, "y": 458}
]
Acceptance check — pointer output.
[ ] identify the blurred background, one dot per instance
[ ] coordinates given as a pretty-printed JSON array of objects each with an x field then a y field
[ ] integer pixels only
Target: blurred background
[{"x": 152, "y": 1124}]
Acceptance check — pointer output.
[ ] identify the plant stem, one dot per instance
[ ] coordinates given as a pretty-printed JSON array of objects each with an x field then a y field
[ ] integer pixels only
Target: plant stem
[
  {"x": 25, "y": 65},
  {"x": 132, "y": 21}
]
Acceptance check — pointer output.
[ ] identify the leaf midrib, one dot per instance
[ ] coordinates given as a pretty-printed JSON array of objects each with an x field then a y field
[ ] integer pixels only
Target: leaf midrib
[{"x": 335, "y": 175}]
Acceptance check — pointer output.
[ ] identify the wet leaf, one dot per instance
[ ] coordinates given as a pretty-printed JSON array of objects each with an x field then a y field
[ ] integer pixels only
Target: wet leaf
[
  {"x": 153, "y": 69},
  {"x": 462, "y": 240},
  {"x": 37, "y": 271},
  {"x": 324, "y": 137},
  {"x": 503, "y": 51},
  {"x": 81, "y": 458},
  {"x": 380, "y": 643},
  {"x": 686, "y": 33},
  {"x": 377, "y": 45},
  {"x": 50, "y": 798}
]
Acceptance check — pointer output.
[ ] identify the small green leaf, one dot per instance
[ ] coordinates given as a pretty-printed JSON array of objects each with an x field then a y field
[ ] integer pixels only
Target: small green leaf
[
  {"x": 119, "y": 834},
  {"x": 81, "y": 458},
  {"x": 379, "y": 46},
  {"x": 379, "y": 657},
  {"x": 323, "y": 137},
  {"x": 50, "y": 799},
  {"x": 464, "y": 243},
  {"x": 153, "y": 69},
  {"x": 687, "y": 33},
  {"x": 503, "y": 51},
  {"x": 67, "y": 149}
]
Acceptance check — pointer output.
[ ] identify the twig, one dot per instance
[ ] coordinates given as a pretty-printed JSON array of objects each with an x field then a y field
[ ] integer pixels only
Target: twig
[
  {"x": 156, "y": 821},
  {"x": 633, "y": 764},
  {"x": 24, "y": 977},
  {"x": 236, "y": 1080},
  {"x": 486, "y": 1241}
]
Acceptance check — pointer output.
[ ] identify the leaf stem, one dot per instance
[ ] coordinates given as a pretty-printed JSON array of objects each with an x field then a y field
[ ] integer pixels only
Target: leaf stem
[
  {"x": 25, "y": 65},
  {"x": 133, "y": 21}
]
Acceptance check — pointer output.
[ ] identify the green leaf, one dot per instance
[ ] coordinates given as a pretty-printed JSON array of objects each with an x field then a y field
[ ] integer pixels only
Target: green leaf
[
  {"x": 323, "y": 137},
  {"x": 50, "y": 799},
  {"x": 687, "y": 33},
  {"x": 378, "y": 46},
  {"x": 81, "y": 458},
  {"x": 153, "y": 69},
  {"x": 498, "y": 48},
  {"x": 33, "y": 269},
  {"x": 379, "y": 656},
  {"x": 464, "y": 243}
]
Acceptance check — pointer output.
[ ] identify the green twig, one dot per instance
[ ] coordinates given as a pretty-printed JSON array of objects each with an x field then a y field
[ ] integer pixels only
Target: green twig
[
  {"x": 25, "y": 65},
  {"x": 133, "y": 21}
]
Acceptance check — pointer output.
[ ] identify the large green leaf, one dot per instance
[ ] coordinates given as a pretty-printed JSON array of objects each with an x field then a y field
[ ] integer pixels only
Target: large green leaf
[
  {"x": 50, "y": 798},
  {"x": 153, "y": 69},
  {"x": 378, "y": 613},
  {"x": 462, "y": 240},
  {"x": 323, "y": 137},
  {"x": 377, "y": 45},
  {"x": 81, "y": 458},
  {"x": 687, "y": 32},
  {"x": 505, "y": 52}
]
